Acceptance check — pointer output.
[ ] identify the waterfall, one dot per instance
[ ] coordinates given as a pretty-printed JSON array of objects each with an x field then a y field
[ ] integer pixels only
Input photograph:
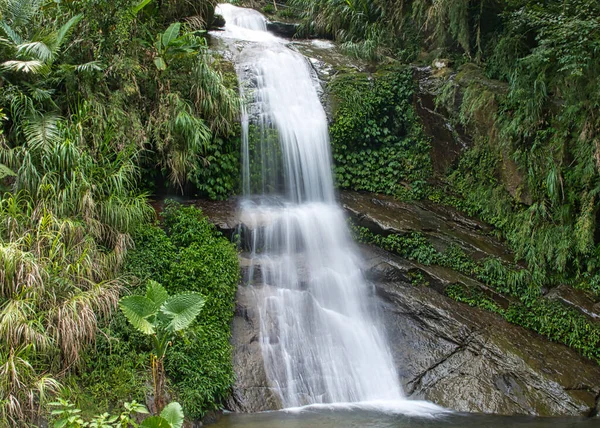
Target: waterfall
[{"x": 320, "y": 335}]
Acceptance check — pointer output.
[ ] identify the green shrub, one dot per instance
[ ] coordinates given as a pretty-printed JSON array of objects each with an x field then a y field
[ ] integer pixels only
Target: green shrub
[
  {"x": 378, "y": 144},
  {"x": 189, "y": 254}
]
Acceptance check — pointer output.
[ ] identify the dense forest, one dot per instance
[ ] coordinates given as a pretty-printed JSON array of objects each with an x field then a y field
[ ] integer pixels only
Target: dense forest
[{"x": 104, "y": 105}]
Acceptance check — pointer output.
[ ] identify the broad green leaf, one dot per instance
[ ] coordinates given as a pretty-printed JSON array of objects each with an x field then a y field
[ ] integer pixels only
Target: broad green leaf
[
  {"x": 65, "y": 30},
  {"x": 155, "y": 422},
  {"x": 135, "y": 9},
  {"x": 160, "y": 63},
  {"x": 173, "y": 413},
  {"x": 156, "y": 293},
  {"x": 171, "y": 34},
  {"x": 182, "y": 310},
  {"x": 137, "y": 309}
]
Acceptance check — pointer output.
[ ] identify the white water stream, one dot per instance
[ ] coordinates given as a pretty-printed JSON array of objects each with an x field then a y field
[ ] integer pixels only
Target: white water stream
[{"x": 320, "y": 336}]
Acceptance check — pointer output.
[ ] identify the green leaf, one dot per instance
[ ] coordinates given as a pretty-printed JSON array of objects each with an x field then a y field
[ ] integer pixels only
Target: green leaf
[
  {"x": 171, "y": 34},
  {"x": 173, "y": 413},
  {"x": 182, "y": 310},
  {"x": 64, "y": 31},
  {"x": 155, "y": 422},
  {"x": 6, "y": 172},
  {"x": 160, "y": 64},
  {"x": 137, "y": 309},
  {"x": 136, "y": 9},
  {"x": 156, "y": 293}
]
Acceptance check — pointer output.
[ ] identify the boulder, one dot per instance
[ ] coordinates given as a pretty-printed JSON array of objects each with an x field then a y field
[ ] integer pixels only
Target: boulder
[{"x": 282, "y": 29}]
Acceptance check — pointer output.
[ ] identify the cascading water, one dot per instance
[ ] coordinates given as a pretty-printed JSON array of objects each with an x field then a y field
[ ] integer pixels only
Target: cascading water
[{"x": 320, "y": 337}]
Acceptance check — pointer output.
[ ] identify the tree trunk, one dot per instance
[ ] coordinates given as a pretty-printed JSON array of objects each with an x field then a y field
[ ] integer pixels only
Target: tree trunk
[{"x": 158, "y": 376}]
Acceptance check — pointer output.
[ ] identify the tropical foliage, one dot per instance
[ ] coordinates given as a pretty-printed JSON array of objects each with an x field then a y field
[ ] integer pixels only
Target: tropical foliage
[
  {"x": 185, "y": 254},
  {"x": 161, "y": 316},
  {"x": 96, "y": 105},
  {"x": 525, "y": 91},
  {"x": 69, "y": 416}
]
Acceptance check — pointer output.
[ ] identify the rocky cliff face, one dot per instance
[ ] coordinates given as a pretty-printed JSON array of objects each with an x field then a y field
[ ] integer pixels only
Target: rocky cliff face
[
  {"x": 470, "y": 360},
  {"x": 462, "y": 358}
]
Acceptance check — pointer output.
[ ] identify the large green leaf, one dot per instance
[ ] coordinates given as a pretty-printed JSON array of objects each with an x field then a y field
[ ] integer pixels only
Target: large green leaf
[
  {"x": 135, "y": 9},
  {"x": 155, "y": 422},
  {"x": 156, "y": 293},
  {"x": 137, "y": 309},
  {"x": 64, "y": 31},
  {"x": 171, "y": 34},
  {"x": 173, "y": 413},
  {"x": 182, "y": 310},
  {"x": 160, "y": 63}
]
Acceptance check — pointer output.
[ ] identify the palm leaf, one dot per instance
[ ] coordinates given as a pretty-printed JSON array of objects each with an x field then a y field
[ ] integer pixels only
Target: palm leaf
[
  {"x": 173, "y": 413},
  {"x": 12, "y": 34},
  {"x": 64, "y": 31},
  {"x": 6, "y": 172},
  {"x": 137, "y": 309},
  {"x": 38, "y": 50},
  {"x": 42, "y": 130},
  {"x": 32, "y": 66},
  {"x": 182, "y": 310},
  {"x": 89, "y": 67}
]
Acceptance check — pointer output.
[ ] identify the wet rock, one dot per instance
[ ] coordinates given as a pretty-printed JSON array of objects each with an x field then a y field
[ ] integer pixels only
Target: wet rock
[
  {"x": 223, "y": 214},
  {"x": 448, "y": 140},
  {"x": 470, "y": 360},
  {"x": 218, "y": 21},
  {"x": 576, "y": 299},
  {"x": 251, "y": 391},
  {"x": 283, "y": 29},
  {"x": 442, "y": 226}
]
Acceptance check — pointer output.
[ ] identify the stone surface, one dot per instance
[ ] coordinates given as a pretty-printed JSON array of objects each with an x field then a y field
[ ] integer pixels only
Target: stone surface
[
  {"x": 282, "y": 29},
  {"x": 463, "y": 358},
  {"x": 442, "y": 226},
  {"x": 470, "y": 360},
  {"x": 577, "y": 299},
  {"x": 448, "y": 141},
  {"x": 250, "y": 392}
]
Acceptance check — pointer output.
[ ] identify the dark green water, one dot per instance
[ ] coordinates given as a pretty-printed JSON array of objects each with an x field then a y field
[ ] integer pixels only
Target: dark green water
[{"x": 371, "y": 419}]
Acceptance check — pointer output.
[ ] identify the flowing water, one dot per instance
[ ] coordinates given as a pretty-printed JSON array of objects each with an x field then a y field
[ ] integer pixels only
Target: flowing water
[{"x": 320, "y": 336}]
